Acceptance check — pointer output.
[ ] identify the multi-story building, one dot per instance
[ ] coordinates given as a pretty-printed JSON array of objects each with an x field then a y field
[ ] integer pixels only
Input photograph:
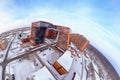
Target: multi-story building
[
  {"x": 3, "y": 43},
  {"x": 64, "y": 38}
]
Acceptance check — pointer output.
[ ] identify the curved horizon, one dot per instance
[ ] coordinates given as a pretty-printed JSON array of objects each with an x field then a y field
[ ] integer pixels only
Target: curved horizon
[{"x": 97, "y": 20}]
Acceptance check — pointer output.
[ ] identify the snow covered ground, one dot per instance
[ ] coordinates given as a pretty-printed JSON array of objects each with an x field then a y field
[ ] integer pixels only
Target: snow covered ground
[
  {"x": 22, "y": 69},
  {"x": 2, "y": 55},
  {"x": 0, "y": 72},
  {"x": 16, "y": 48},
  {"x": 46, "y": 53},
  {"x": 3, "y": 52},
  {"x": 43, "y": 74}
]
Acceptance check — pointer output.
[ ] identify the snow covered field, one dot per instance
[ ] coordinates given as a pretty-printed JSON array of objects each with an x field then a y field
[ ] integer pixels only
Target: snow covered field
[
  {"x": 0, "y": 72},
  {"x": 4, "y": 52},
  {"x": 22, "y": 69}
]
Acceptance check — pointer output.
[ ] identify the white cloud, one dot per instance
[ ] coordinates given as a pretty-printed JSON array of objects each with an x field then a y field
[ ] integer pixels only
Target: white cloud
[{"x": 6, "y": 16}]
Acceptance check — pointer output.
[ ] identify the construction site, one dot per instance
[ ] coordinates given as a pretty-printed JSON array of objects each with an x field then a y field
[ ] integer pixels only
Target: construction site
[{"x": 45, "y": 51}]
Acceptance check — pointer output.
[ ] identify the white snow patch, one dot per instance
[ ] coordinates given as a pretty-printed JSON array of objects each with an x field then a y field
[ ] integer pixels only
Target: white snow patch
[
  {"x": 43, "y": 74},
  {"x": 23, "y": 69}
]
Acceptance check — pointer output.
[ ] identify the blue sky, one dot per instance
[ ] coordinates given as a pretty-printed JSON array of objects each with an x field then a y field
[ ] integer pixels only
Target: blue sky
[{"x": 98, "y": 20}]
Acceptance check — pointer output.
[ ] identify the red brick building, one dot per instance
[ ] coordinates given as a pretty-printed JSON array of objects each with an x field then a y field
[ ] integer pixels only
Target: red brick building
[{"x": 3, "y": 43}]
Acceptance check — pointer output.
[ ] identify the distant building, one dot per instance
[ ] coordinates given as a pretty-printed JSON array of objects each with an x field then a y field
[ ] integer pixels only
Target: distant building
[
  {"x": 3, "y": 43},
  {"x": 80, "y": 41}
]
